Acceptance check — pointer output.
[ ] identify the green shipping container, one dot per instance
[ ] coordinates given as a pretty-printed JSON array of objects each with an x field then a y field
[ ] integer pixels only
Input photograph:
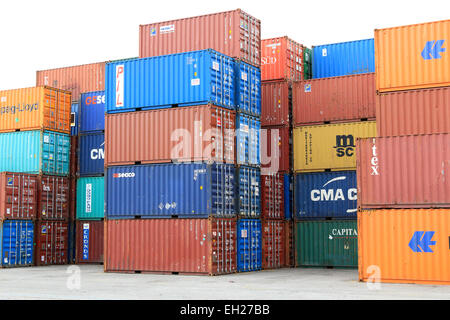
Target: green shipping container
[
  {"x": 330, "y": 243},
  {"x": 90, "y": 198}
]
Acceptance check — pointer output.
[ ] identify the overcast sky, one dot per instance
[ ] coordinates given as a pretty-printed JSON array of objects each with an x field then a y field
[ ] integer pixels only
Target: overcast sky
[{"x": 44, "y": 34}]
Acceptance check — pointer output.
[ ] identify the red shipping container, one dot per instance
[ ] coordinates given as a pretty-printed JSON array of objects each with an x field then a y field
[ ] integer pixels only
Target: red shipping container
[
  {"x": 275, "y": 103},
  {"x": 272, "y": 196},
  {"x": 53, "y": 198},
  {"x": 233, "y": 33},
  {"x": 89, "y": 241},
  {"x": 335, "y": 99},
  {"x": 18, "y": 196},
  {"x": 273, "y": 244},
  {"x": 51, "y": 242},
  {"x": 197, "y": 246},
  {"x": 275, "y": 149},
  {"x": 290, "y": 244},
  {"x": 423, "y": 111},
  {"x": 404, "y": 172}
]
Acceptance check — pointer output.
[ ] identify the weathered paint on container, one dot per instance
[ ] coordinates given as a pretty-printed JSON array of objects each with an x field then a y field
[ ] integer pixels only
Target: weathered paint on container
[
  {"x": 92, "y": 112},
  {"x": 413, "y": 56},
  {"x": 422, "y": 111},
  {"x": 344, "y": 58},
  {"x": 90, "y": 198},
  {"x": 89, "y": 241},
  {"x": 16, "y": 243},
  {"x": 248, "y": 193},
  {"x": 51, "y": 238},
  {"x": 18, "y": 196},
  {"x": 336, "y": 99},
  {"x": 233, "y": 33},
  {"x": 272, "y": 196},
  {"x": 328, "y": 243},
  {"x": 199, "y": 246},
  {"x": 329, "y": 146},
  {"x": 249, "y": 245},
  {"x": 273, "y": 244},
  {"x": 288, "y": 196},
  {"x": 247, "y": 88},
  {"x": 404, "y": 172},
  {"x": 185, "y": 134},
  {"x": 74, "y": 119},
  {"x": 183, "y": 79},
  {"x": 276, "y": 149},
  {"x": 406, "y": 246},
  {"x": 275, "y": 103},
  {"x": 322, "y": 195},
  {"x": 248, "y": 140},
  {"x": 165, "y": 190},
  {"x": 53, "y": 198},
  {"x": 290, "y": 243},
  {"x": 38, "y": 152},
  {"x": 91, "y": 154}
]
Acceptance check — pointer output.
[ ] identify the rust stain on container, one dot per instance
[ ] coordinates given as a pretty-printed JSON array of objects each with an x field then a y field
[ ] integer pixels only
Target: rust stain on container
[{"x": 275, "y": 103}]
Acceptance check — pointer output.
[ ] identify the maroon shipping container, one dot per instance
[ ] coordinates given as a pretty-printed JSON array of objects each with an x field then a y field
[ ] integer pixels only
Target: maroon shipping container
[
  {"x": 290, "y": 244},
  {"x": 51, "y": 242},
  {"x": 423, "y": 111},
  {"x": 336, "y": 99},
  {"x": 273, "y": 244},
  {"x": 196, "y": 133},
  {"x": 89, "y": 241},
  {"x": 272, "y": 196},
  {"x": 18, "y": 196},
  {"x": 72, "y": 198},
  {"x": 275, "y": 103},
  {"x": 233, "y": 33},
  {"x": 191, "y": 246},
  {"x": 73, "y": 156},
  {"x": 404, "y": 172},
  {"x": 275, "y": 149},
  {"x": 53, "y": 198}
]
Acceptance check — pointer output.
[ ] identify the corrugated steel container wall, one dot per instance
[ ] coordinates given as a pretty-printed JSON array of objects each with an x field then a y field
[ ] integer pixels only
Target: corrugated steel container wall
[
  {"x": 272, "y": 196},
  {"x": 413, "y": 56},
  {"x": 72, "y": 198},
  {"x": 73, "y": 158},
  {"x": 406, "y": 246},
  {"x": 90, "y": 241},
  {"x": 91, "y": 154},
  {"x": 273, "y": 244},
  {"x": 330, "y": 146},
  {"x": 404, "y": 172},
  {"x": 290, "y": 244},
  {"x": 16, "y": 243},
  {"x": 275, "y": 149},
  {"x": 248, "y": 193},
  {"x": 328, "y": 243},
  {"x": 196, "y": 133},
  {"x": 164, "y": 190},
  {"x": 18, "y": 196},
  {"x": 276, "y": 103},
  {"x": 183, "y": 79},
  {"x": 234, "y": 33},
  {"x": 326, "y": 195},
  {"x": 288, "y": 196},
  {"x": 249, "y": 245},
  {"x": 53, "y": 198},
  {"x": 51, "y": 238},
  {"x": 92, "y": 112},
  {"x": 71, "y": 242},
  {"x": 39, "y": 152},
  {"x": 248, "y": 140},
  {"x": 248, "y": 88},
  {"x": 336, "y": 99},
  {"x": 307, "y": 63},
  {"x": 90, "y": 198},
  {"x": 423, "y": 111},
  {"x": 74, "y": 119},
  {"x": 202, "y": 246},
  {"x": 76, "y": 79}
]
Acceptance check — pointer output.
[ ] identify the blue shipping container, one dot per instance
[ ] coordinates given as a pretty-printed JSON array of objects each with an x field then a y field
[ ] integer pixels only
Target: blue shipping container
[
  {"x": 249, "y": 245},
  {"x": 196, "y": 190},
  {"x": 288, "y": 196},
  {"x": 248, "y": 130},
  {"x": 248, "y": 192},
  {"x": 38, "y": 152},
  {"x": 71, "y": 243},
  {"x": 326, "y": 195},
  {"x": 248, "y": 89},
  {"x": 16, "y": 242},
  {"x": 342, "y": 59},
  {"x": 92, "y": 112},
  {"x": 74, "y": 120},
  {"x": 91, "y": 154},
  {"x": 183, "y": 79}
]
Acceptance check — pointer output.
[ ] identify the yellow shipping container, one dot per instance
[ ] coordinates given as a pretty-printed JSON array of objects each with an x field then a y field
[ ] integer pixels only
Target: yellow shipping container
[
  {"x": 329, "y": 146},
  {"x": 413, "y": 57},
  {"x": 35, "y": 109}
]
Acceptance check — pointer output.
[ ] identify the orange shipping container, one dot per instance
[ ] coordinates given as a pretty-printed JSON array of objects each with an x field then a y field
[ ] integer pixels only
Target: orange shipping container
[
  {"x": 35, "y": 109},
  {"x": 413, "y": 57},
  {"x": 404, "y": 246}
]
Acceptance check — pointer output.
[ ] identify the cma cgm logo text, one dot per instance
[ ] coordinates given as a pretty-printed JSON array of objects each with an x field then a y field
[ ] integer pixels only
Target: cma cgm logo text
[
  {"x": 433, "y": 50},
  {"x": 345, "y": 145},
  {"x": 124, "y": 175},
  {"x": 334, "y": 194},
  {"x": 95, "y": 100},
  {"x": 98, "y": 154}
]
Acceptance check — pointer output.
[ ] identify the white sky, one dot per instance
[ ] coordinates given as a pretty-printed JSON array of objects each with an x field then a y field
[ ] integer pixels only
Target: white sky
[{"x": 44, "y": 34}]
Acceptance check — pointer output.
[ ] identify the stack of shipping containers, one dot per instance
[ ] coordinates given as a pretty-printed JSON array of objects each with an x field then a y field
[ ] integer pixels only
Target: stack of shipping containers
[{"x": 404, "y": 173}]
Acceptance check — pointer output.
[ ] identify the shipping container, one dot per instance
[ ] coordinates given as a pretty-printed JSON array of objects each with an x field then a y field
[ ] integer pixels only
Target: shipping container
[
  {"x": 325, "y": 195},
  {"x": 192, "y": 246},
  {"x": 18, "y": 196},
  {"x": 188, "y": 134},
  {"x": 92, "y": 112},
  {"x": 275, "y": 149},
  {"x": 90, "y": 198},
  {"x": 76, "y": 79},
  {"x": 404, "y": 172},
  {"x": 423, "y": 111},
  {"x": 71, "y": 242},
  {"x": 91, "y": 155},
  {"x": 197, "y": 190},
  {"x": 53, "y": 198},
  {"x": 72, "y": 198},
  {"x": 276, "y": 103},
  {"x": 327, "y": 243},
  {"x": 249, "y": 245},
  {"x": 73, "y": 158},
  {"x": 412, "y": 57},
  {"x": 329, "y": 146},
  {"x": 248, "y": 88},
  {"x": 233, "y": 33},
  {"x": 248, "y": 192},
  {"x": 272, "y": 196},
  {"x": 16, "y": 243},
  {"x": 289, "y": 244},
  {"x": 307, "y": 63},
  {"x": 248, "y": 140},
  {"x": 74, "y": 119},
  {"x": 273, "y": 244},
  {"x": 404, "y": 246},
  {"x": 336, "y": 99},
  {"x": 89, "y": 241},
  {"x": 183, "y": 79},
  {"x": 288, "y": 196},
  {"x": 51, "y": 238},
  {"x": 38, "y": 152}
]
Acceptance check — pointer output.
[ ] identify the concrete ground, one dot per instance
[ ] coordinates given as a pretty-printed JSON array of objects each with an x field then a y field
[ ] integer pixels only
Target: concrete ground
[{"x": 90, "y": 282}]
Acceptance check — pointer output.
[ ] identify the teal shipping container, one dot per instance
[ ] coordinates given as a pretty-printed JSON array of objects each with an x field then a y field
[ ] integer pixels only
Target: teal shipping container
[{"x": 90, "y": 198}]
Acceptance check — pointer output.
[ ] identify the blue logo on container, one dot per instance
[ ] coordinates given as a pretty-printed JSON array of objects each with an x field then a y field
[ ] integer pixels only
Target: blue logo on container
[
  {"x": 86, "y": 241},
  {"x": 433, "y": 49},
  {"x": 10, "y": 181},
  {"x": 153, "y": 31},
  {"x": 421, "y": 241},
  {"x": 307, "y": 87}
]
